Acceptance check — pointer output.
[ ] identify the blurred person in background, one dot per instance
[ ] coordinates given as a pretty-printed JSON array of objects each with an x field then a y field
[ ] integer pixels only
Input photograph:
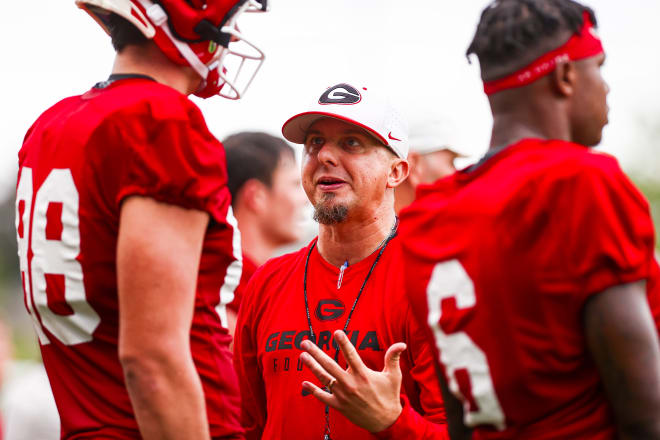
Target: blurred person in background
[
  {"x": 127, "y": 243},
  {"x": 433, "y": 149},
  {"x": 534, "y": 269},
  {"x": 6, "y": 350},
  {"x": 28, "y": 405},
  {"x": 28, "y": 410},
  {"x": 6, "y": 353},
  {"x": 267, "y": 198}
]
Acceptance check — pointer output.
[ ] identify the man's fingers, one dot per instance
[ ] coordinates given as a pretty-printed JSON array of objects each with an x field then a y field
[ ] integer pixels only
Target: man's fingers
[
  {"x": 350, "y": 353},
  {"x": 324, "y": 377},
  {"x": 321, "y": 395},
  {"x": 328, "y": 364},
  {"x": 392, "y": 358}
]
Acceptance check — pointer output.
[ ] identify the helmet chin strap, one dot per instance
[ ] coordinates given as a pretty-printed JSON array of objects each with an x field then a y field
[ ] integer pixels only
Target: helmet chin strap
[{"x": 214, "y": 71}]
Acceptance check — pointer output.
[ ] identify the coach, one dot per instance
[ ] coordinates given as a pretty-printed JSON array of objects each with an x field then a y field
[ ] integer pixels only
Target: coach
[{"x": 349, "y": 278}]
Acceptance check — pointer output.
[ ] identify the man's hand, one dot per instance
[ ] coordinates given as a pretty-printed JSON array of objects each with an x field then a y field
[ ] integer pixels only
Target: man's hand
[{"x": 368, "y": 398}]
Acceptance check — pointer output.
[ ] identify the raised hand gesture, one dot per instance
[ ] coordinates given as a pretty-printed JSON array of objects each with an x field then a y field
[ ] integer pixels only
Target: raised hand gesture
[{"x": 368, "y": 398}]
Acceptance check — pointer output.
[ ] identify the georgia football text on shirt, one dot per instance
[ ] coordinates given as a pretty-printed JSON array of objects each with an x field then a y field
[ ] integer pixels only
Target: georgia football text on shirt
[{"x": 272, "y": 323}]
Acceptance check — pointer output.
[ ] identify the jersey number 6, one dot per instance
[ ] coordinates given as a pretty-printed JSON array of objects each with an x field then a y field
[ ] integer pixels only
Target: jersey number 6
[
  {"x": 54, "y": 245},
  {"x": 458, "y": 353}
]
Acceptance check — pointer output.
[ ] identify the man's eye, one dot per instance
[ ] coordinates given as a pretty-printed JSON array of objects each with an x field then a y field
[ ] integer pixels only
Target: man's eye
[
  {"x": 315, "y": 140},
  {"x": 352, "y": 142}
]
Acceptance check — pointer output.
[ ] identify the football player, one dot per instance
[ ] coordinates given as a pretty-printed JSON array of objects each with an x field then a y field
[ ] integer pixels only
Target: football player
[
  {"x": 128, "y": 247},
  {"x": 349, "y": 278},
  {"x": 534, "y": 268}
]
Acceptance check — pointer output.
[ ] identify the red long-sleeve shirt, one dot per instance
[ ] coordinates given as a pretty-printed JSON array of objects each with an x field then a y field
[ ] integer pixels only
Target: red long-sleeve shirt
[{"x": 273, "y": 322}]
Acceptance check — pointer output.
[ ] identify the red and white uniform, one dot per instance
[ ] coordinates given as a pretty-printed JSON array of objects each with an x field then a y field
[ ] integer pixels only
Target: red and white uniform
[
  {"x": 272, "y": 323},
  {"x": 500, "y": 262},
  {"x": 79, "y": 161}
]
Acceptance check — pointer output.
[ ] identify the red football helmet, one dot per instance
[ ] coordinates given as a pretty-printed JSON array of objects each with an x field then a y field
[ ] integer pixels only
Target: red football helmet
[{"x": 195, "y": 33}]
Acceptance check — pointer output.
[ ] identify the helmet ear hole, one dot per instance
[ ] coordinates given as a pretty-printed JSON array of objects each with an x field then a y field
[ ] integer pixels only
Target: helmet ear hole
[{"x": 208, "y": 31}]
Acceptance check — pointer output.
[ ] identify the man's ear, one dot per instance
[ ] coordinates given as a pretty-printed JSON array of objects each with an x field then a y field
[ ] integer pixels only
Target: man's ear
[
  {"x": 564, "y": 78},
  {"x": 415, "y": 168},
  {"x": 253, "y": 195},
  {"x": 398, "y": 172}
]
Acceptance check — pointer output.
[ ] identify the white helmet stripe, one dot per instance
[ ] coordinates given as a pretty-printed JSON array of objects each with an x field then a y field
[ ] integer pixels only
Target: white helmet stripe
[{"x": 159, "y": 18}]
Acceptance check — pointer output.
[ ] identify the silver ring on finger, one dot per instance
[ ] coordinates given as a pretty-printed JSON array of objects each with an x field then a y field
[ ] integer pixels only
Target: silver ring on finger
[{"x": 331, "y": 384}]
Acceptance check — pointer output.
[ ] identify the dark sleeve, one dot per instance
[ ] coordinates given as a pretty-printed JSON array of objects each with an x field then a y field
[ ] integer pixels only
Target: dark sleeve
[{"x": 246, "y": 362}]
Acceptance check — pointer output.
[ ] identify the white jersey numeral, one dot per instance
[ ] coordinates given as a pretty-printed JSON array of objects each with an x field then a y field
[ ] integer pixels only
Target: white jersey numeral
[
  {"x": 234, "y": 271},
  {"x": 54, "y": 257},
  {"x": 458, "y": 353},
  {"x": 23, "y": 211}
]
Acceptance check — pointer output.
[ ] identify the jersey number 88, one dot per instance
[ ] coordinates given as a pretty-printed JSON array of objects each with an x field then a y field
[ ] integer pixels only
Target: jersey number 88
[{"x": 54, "y": 250}]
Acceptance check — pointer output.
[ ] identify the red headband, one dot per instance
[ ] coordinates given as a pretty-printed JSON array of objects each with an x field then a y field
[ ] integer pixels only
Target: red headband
[{"x": 583, "y": 44}]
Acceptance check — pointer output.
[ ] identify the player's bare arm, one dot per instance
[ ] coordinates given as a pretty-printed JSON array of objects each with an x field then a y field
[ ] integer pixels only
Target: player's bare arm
[
  {"x": 623, "y": 341},
  {"x": 158, "y": 255},
  {"x": 368, "y": 398}
]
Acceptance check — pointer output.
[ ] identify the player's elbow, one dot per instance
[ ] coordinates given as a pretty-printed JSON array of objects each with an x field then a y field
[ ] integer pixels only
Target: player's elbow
[
  {"x": 139, "y": 375},
  {"x": 141, "y": 370},
  {"x": 146, "y": 367}
]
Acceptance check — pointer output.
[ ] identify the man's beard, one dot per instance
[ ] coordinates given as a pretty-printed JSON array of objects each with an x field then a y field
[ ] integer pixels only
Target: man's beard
[{"x": 329, "y": 214}]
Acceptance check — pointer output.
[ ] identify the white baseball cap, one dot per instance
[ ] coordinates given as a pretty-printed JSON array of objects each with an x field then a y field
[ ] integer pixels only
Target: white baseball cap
[
  {"x": 430, "y": 134},
  {"x": 356, "y": 105}
]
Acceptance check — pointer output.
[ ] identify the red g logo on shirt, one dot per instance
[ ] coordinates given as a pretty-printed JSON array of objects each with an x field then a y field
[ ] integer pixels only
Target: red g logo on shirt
[{"x": 329, "y": 309}]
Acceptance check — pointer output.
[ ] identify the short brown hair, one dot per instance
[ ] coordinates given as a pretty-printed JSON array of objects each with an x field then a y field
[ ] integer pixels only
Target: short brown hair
[
  {"x": 253, "y": 155},
  {"x": 123, "y": 33}
]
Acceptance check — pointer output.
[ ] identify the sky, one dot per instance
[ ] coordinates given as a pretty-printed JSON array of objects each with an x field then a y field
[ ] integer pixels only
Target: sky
[{"x": 411, "y": 50}]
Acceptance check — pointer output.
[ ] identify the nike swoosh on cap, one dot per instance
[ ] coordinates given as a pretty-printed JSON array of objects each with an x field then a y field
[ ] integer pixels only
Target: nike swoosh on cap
[{"x": 389, "y": 135}]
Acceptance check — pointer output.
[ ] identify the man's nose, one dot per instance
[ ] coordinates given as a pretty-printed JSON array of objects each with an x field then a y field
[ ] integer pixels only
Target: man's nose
[{"x": 327, "y": 154}]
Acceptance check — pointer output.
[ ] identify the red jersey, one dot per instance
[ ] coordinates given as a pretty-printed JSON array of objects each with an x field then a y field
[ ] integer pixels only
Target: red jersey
[
  {"x": 272, "y": 323},
  {"x": 249, "y": 267},
  {"x": 504, "y": 257},
  {"x": 79, "y": 160}
]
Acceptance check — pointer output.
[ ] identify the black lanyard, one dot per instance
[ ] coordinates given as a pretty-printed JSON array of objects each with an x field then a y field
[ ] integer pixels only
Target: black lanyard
[{"x": 326, "y": 435}]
